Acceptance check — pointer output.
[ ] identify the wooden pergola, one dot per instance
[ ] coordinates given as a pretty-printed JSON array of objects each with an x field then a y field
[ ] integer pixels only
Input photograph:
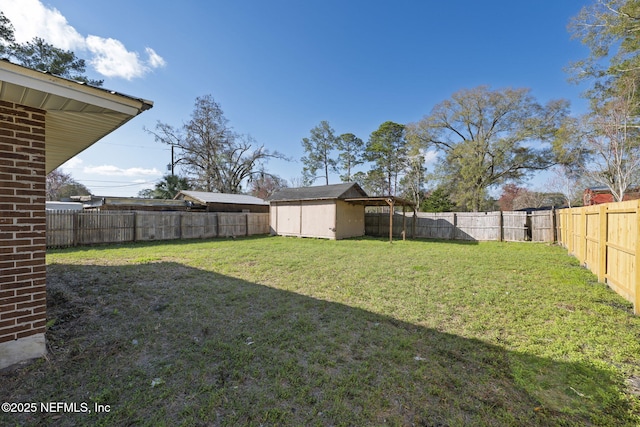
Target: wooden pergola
[{"x": 392, "y": 202}]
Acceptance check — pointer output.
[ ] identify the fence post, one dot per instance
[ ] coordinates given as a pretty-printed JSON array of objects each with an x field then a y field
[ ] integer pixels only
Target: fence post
[
  {"x": 246, "y": 220},
  {"x": 636, "y": 279},
  {"x": 569, "y": 233},
  {"x": 76, "y": 227},
  {"x": 500, "y": 227},
  {"x": 455, "y": 226},
  {"x": 582, "y": 256},
  {"x": 602, "y": 246}
]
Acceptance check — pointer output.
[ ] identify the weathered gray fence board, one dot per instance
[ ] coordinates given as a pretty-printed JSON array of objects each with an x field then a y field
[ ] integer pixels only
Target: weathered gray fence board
[
  {"x": 514, "y": 226},
  {"x": 157, "y": 226},
  {"x": 435, "y": 225},
  {"x": 478, "y": 226},
  {"x": 258, "y": 223},
  {"x": 194, "y": 225},
  {"x": 232, "y": 225},
  {"x": 508, "y": 226},
  {"x": 95, "y": 227},
  {"x": 542, "y": 226},
  {"x": 60, "y": 229}
]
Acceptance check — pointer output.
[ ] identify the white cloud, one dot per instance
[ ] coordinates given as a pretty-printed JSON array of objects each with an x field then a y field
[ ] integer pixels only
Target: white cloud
[
  {"x": 430, "y": 156},
  {"x": 112, "y": 59},
  {"x": 155, "y": 60},
  {"x": 71, "y": 164},
  {"x": 111, "y": 170},
  {"x": 109, "y": 57},
  {"x": 30, "y": 19}
]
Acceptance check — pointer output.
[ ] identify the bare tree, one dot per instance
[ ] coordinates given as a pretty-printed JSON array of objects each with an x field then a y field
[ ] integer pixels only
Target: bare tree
[
  {"x": 612, "y": 137},
  {"x": 266, "y": 185},
  {"x": 566, "y": 181},
  {"x": 215, "y": 157},
  {"x": 60, "y": 184}
]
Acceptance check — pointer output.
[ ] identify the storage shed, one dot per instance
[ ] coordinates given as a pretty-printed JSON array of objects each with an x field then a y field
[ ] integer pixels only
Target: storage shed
[
  {"x": 224, "y": 202},
  {"x": 44, "y": 121},
  {"x": 321, "y": 211}
]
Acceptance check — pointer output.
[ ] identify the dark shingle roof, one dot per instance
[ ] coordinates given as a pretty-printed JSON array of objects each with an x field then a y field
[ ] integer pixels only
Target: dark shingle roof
[{"x": 321, "y": 192}]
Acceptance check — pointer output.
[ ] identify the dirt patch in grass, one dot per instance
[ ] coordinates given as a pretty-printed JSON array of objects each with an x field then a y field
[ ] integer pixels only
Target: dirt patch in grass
[{"x": 234, "y": 333}]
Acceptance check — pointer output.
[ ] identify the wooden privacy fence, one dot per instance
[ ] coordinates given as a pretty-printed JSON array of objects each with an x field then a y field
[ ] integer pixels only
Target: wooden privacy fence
[
  {"x": 65, "y": 228},
  {"x": 508, "y": 226},
  {"x": 605, "y": 239}
]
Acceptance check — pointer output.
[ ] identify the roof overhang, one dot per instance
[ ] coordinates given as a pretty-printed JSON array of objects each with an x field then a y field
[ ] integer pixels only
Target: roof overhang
[
  {"x": 77, "y": 115},
  {"x": 381, "y": 201}
]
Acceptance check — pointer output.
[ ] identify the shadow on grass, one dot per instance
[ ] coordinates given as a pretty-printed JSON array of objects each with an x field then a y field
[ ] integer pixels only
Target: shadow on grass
[{"x": 166, "y": 344}]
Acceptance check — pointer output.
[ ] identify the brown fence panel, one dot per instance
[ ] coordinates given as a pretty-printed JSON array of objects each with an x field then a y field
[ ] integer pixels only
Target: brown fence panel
[
  {"x": 436, "y": 225},
  {"x": 198, "y": 225},
  {"x": 232, "y": 224},
  {"x": 542, "y": 225},
  {"x": 157, "y": 226},
  {"x": 258, "y": 223},
  {"x": 66, "y": 229},
  {"x": 510, "y": 226},
  {"x": 372, "y": 224},
  {"x": 61, "y": 228},
  {"x": 105, "y": 227},
  {"x": 478, "y": 226}
]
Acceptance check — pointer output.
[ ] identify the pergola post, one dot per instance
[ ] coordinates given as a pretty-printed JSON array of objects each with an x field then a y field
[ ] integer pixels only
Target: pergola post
[
  {"x": 390, "y": 202},
  {"x": 404, "y": 223}
]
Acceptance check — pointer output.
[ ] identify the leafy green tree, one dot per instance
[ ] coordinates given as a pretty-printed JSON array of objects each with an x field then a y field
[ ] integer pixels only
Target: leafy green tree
[
  {"x": 213, "y": 155},
  {"x": 351, "y": 148},
  {"x": 387, "y": 149},
  {"x": 7, "y": 35},
  {"x": 438, "y": 201},
  {"x": 373, "y": 182},
  {"x": 167, "y": 188},
  {"x": 488, "y": 138},
  {"x": 40, "y": 55},
  {"x": 609, "y": 28},
  {"x": 318, "y": 149},
  {"x": 609, "y": 133}
]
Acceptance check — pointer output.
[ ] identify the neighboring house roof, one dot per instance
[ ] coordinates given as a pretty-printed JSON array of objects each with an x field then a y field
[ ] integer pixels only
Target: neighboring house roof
[
  {"x": 598, "y": 189},
  {"x": 99, "y": 201},
  {"x": 205, "y": 197},
  {"x": 62, "y": 206},
  {"x": 322, "y": 192},
  {"x": 77, "y": 114}
]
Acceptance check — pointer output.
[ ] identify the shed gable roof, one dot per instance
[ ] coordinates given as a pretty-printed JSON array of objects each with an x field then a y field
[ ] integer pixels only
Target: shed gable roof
[
  {"x": 205, "y": 197},
  {"x": 322, "y": 192}
]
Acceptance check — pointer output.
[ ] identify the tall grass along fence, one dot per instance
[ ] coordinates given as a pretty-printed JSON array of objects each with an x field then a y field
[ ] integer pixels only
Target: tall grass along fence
[
  {"x": 508, "y": 226},
  {"x": 605, "y": 238},
  {"x": 66, "y": 228}
]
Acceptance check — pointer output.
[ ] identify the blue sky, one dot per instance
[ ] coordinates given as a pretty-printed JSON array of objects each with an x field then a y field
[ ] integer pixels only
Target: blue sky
[{"x": 280, "y": 67}]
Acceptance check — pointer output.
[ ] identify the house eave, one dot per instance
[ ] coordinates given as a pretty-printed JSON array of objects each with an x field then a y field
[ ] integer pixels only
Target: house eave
[{"x": 77, "y": 115}]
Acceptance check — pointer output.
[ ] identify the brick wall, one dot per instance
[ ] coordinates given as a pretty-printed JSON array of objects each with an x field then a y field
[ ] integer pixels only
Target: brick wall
[{"x": 22, "y": 233}]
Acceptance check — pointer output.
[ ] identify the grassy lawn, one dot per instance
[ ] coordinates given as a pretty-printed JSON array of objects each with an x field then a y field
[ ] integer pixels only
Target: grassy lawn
[{"x": 286, "y": 331}]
